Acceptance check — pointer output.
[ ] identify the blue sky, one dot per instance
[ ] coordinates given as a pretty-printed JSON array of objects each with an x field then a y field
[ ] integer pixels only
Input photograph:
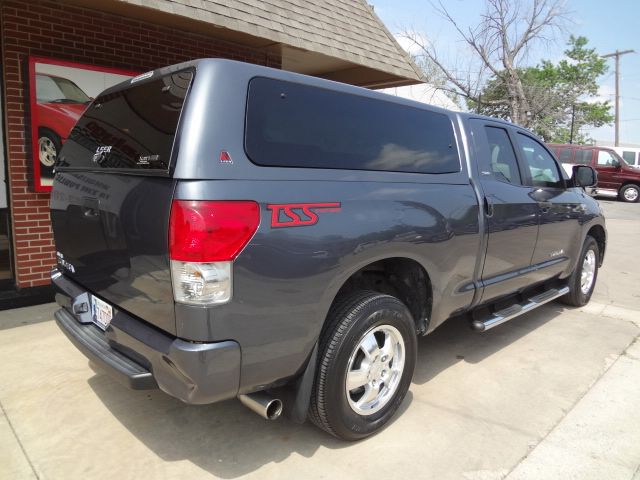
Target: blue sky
[{"x": 610, "y": 25}]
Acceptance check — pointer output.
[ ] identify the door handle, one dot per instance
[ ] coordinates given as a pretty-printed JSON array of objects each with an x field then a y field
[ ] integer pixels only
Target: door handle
[
  {"x": 90, "y": 208},
  {"x": 545, "y": 206},
  {"x": 488, "y": 207},
  {"x": 90, "y": 213}
]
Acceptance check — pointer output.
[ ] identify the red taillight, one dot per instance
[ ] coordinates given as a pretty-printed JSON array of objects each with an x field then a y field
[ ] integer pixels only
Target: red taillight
[{"x": 210, "y": 231}]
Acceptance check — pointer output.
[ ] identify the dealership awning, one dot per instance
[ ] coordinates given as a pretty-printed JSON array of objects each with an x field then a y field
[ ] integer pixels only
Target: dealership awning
[{"x": 341, "y": 40}]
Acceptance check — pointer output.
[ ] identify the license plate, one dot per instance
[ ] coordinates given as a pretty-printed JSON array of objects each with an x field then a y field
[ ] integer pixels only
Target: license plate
[{"x": 101, "y": 313}]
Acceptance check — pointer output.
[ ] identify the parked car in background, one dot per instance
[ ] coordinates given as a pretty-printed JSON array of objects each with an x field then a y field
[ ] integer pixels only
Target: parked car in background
[
  {"x": 631, "y": 155},
  {"x": 615, "y": 176},
  {"x": 60, "y": 103}
]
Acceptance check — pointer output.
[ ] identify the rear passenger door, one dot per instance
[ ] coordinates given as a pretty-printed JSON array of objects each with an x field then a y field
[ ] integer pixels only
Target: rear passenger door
[
  {"x": 559, "y": 208},
  {"x": 510, "y": 212}
]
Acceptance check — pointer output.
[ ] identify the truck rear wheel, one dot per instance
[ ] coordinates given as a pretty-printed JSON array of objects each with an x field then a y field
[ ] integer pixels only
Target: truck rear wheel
[
  {"x": 367, "y": 357},
  {"x": 583, "y": 280}
]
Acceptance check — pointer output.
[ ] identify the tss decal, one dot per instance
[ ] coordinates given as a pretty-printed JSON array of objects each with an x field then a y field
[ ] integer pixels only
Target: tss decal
[{"x": 299, "y": 214}]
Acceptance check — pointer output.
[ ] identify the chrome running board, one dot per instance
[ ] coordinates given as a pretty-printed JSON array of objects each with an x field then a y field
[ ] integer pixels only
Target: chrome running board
[{"x": 516, "y": 310}]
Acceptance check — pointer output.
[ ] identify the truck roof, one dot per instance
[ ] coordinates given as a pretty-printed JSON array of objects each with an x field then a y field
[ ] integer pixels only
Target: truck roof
[{"x": 232, "y": 67}]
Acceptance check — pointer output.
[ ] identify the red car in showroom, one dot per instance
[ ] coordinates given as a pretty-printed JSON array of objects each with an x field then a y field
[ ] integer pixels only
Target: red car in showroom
[{"x": 60, "y": 103}]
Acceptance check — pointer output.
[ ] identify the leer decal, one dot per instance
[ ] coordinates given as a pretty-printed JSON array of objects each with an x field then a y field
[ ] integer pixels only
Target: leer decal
[{"x": 283, "y": 215}]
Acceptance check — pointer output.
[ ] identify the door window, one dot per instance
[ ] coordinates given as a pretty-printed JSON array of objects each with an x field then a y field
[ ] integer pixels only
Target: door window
[
  {"x": 503, "y": 163},
  {"x": 543, "y": 169},
  {"x": 583, "y": 157},
  {"x": 606, "y": 159}
]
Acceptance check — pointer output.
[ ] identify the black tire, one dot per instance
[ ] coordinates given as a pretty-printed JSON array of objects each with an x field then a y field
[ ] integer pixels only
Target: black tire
[
  {"x": 350, "y": 320},
  {"x": 45, "y": 135},
  {"x": 629, "y": 193},
  {"x": 576, "y": 297}
]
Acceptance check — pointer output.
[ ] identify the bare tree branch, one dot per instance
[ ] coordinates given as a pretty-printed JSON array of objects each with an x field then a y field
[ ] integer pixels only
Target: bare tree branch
[{"x": 498, "y": 43}]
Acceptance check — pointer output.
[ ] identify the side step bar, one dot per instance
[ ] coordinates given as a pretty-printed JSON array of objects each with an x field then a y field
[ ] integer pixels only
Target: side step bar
[{"x": 516, "y": 310}]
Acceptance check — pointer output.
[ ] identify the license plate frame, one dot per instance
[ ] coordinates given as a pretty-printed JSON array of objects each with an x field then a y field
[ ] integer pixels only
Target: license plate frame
[{"x": 101, "y": 313}]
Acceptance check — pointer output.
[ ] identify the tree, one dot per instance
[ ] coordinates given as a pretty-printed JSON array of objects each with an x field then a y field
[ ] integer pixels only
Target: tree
[
  {"x": 560, "y": 97},
  {"x": 571, "y": 87},
  {"x": 497, "y": 46}
]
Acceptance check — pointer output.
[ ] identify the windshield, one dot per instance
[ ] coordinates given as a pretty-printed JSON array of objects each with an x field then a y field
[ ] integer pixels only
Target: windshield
[{"x": 58, "y": 90}]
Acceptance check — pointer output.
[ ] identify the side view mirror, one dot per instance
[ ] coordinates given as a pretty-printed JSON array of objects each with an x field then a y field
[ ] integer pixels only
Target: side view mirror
[{"x": 584, "y": 176}]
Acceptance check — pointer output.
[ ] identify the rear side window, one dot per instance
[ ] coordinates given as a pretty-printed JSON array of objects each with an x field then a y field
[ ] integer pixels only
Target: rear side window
[
  {"x": 503, "y": 163},
  {"x": 133, "y": 128},
  {"x": 583, "y": 157},
  {"x": 565, "y": 155},
  {"x": 293, "y": 125}
]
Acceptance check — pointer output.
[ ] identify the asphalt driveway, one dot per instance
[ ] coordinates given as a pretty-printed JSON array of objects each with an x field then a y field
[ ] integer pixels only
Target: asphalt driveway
[{"x": 553, "y": 394}]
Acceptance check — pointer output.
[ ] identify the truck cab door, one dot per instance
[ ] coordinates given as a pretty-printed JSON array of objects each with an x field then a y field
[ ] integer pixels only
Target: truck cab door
[
  {"x": 511, "y": 214},
  {"x": 608, "y": 167},
  {"x": 559, "y": 209}
]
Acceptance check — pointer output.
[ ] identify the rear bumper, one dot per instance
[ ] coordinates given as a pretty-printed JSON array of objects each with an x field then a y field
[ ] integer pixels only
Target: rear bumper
[{"x": 143, "y": 357}]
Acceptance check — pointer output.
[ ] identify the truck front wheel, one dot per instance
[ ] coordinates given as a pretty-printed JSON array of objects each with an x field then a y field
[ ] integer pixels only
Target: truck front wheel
[
  {"x": 583, "y": 280},
  {"x": 367, "y": 357},
  {"x": 630, "y": 193}
]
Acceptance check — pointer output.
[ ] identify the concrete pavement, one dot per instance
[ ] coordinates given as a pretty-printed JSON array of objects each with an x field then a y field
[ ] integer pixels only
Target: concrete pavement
[
  {"x": 553, "y": 394},
  {"x": 600, "y": 437}
]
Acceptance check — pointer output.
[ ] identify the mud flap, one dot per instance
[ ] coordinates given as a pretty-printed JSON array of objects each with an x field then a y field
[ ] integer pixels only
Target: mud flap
[{"x": 297, "y": 396}]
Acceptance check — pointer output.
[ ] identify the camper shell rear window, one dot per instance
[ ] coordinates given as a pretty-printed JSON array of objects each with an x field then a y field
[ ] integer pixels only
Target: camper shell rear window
[
  {"x": 294, "y": 125},
  {"x": 129, "y": 129}
]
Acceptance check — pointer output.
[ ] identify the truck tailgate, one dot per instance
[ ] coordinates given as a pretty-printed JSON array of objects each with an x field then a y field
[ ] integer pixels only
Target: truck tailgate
[{"x": 111, "y": 238}]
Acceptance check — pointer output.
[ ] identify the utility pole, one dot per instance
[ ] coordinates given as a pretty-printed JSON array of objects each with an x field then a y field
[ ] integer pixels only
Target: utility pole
[
  {"x": 573, "y": 115},
  {"x": 617, "y": 54}
]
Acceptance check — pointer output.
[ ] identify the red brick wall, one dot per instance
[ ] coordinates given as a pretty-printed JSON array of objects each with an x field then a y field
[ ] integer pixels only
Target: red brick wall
[{"x": 48, "y": 29}]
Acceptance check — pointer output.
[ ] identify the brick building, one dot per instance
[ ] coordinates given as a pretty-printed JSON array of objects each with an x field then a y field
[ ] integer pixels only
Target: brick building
[{"x": 337, "y": 39}]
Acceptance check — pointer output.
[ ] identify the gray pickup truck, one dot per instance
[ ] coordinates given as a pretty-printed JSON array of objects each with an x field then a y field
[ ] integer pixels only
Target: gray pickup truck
[{"x": 228, "y": 230}]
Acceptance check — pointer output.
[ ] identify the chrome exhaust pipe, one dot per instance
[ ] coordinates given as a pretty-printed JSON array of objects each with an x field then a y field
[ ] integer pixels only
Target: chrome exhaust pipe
[{"x": 263, "y": 404}]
